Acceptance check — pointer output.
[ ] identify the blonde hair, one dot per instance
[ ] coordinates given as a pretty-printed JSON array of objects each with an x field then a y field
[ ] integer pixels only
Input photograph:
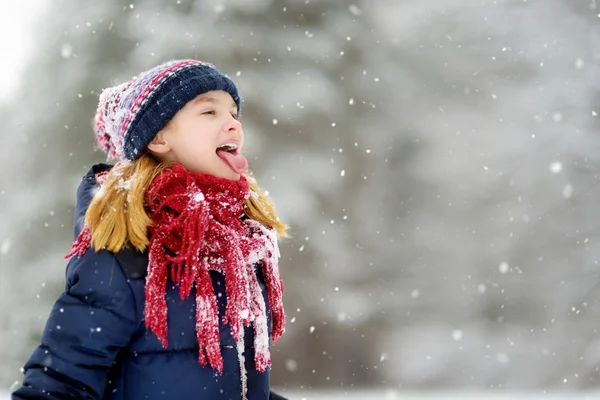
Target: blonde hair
[{"x": 117, "y": 215}]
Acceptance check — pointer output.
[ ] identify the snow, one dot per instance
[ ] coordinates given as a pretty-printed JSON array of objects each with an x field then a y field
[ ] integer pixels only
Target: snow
[
  {"x": 567, "y": 191},
  {"x": 457, "y": 334},
  {"x": 406, "y": 395},
  {"x": 198, "y": 197},
  {"x": 393, "y": 395},
  {"x": 556, "y": 167},
  {"x": 5, "y": 246}
]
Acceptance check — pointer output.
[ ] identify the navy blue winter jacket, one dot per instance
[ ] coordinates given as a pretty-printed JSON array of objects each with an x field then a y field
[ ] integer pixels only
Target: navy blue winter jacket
[{"x": 95, "y": 344}]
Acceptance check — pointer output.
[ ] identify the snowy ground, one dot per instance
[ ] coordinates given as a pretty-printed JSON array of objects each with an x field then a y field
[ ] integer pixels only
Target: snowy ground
[
  {"x": 392, "y": 395},
  {"x": 395, "y": 395}
]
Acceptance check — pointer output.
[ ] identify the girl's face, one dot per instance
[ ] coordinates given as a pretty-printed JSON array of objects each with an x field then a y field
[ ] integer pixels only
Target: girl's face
[{"x": 205, "y": 136}]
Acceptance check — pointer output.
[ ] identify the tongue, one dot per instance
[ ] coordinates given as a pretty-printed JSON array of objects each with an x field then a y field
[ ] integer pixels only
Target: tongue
[{"x": 237, "y": 162}]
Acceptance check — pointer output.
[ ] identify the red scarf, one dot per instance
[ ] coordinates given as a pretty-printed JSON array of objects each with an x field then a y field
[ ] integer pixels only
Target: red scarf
[{"x": 198, "y": 228}]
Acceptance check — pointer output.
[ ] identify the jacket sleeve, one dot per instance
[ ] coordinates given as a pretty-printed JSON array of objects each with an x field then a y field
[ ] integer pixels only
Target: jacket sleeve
[{"x": 89, "y": 323}]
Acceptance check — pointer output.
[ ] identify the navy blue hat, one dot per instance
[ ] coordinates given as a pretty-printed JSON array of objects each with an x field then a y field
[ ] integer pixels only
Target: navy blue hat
[{"x": 130, "y": 115}]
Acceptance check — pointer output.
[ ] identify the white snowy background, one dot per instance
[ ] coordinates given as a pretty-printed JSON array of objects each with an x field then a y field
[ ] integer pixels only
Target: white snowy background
[{"x": 437, "y": 161}]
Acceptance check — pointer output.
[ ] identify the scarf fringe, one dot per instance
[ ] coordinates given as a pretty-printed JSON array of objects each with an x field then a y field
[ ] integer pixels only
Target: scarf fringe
[
  {"x": 237, "y": 312},
  {"x": 207, "y": 322},
  {"x": 155, "y": 310},
  {"x": 262, "y": 354},
  {"x": 81, "y": 244},
  {"x": 269, "y": 264}
]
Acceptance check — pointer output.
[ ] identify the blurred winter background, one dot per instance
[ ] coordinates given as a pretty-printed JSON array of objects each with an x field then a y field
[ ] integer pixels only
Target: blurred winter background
[{"x": 437, "y": 161}]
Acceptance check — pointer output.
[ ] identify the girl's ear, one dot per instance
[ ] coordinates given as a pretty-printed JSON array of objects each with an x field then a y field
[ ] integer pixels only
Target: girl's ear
[{"x": 159, "y": 145}]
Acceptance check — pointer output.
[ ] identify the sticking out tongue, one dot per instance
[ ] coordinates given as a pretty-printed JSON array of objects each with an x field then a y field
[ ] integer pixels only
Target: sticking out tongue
[{"x": 237, "y": 162}]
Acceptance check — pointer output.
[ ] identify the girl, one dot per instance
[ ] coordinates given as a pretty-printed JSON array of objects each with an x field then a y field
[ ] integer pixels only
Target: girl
[{"x": 173, "y": 289}]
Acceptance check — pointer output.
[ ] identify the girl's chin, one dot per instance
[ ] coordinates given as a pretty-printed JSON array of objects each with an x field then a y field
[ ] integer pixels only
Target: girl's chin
[
  {"x": 233, "y": 176},
  {"x": 230, "y": 174},
  {"x": 226, "y": 172}
]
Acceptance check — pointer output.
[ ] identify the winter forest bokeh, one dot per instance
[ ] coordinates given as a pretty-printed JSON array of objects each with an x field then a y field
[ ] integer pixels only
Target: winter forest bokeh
[{"x": 436, "y": 160}]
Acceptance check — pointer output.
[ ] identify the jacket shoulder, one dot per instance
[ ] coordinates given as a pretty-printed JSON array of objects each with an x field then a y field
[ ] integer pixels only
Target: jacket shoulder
[
  {"x": 132, "y": 263},
  {"x": 99, "y": 279}
]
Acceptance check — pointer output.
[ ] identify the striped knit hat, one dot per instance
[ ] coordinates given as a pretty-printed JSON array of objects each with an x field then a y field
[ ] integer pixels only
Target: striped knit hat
[{"x": 130, "y": 115}]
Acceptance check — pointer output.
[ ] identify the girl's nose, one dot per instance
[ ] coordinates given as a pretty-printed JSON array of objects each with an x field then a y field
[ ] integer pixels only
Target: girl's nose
[{"x": 232, "y": 124}]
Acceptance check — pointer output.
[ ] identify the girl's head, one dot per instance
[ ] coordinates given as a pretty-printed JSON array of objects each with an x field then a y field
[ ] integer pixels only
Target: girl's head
[
  {"x": 182, "y": 111},
  {"x": 204, "y": 136}
]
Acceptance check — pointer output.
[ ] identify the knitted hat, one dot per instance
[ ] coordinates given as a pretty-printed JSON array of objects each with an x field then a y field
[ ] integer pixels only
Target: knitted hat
[{"x": 130, "y": 115}]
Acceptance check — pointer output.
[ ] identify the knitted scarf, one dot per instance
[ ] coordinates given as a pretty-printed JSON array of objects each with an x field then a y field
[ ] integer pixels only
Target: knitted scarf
[{"x": 198, "y": 228}]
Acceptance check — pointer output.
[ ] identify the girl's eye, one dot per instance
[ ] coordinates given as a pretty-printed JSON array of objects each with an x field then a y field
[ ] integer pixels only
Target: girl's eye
[
  {"x": 209, "y": 112},
  {"x": 235, "y": 116}
]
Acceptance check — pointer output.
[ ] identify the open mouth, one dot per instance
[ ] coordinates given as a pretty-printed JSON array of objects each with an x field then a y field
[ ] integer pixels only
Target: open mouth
[{"x": 229, "y": 148}]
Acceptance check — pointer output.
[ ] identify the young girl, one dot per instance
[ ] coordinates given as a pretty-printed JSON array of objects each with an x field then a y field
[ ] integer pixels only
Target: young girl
[{"x": 173, "y": 289}]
